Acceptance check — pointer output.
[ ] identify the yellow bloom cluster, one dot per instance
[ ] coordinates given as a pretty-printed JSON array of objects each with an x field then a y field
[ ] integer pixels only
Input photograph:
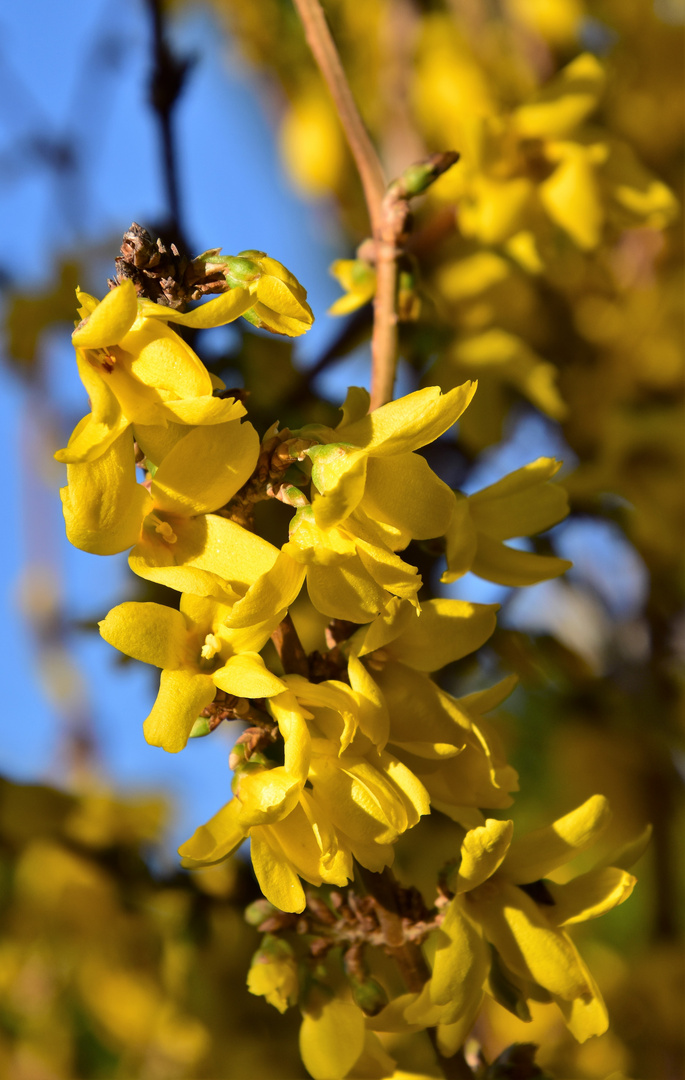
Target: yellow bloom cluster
[{"x": 337, "y": 768}]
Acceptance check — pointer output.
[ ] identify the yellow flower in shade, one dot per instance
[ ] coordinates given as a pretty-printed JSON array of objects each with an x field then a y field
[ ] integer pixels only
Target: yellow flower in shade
[
  {"x": 358, "y": 279},
  {"x": 137, "y": 370},
  {"x": 507, "y": 896},
  {"x": 197, "y": 653},
  {"x": 522, "y": 503},
  {"x": 442, "y": 740},
  {"x": 273, "y": 973},
  {"x": 335, "y": 1042}
]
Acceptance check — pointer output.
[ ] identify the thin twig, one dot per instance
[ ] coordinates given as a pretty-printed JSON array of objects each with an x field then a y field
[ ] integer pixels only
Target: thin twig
[
  {"x": 383, "y": 215},
  {"x": 325, "y": 53},
  {"x": 166, "y": 83}
]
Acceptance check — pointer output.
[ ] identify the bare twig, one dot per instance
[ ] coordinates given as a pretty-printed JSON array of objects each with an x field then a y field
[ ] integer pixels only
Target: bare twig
[
  {"x": 326, "y": 55},
  {"x": 166, "y": 83},
  {"x": 385, "y": 216}
]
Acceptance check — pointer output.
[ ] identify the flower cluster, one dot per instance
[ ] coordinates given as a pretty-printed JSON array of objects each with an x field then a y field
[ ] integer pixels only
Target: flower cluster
[{"x": 345, "y": 754}]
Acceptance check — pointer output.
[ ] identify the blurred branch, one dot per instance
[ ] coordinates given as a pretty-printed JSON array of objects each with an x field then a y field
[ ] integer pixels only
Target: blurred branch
[{"x": 167, "y": 79}]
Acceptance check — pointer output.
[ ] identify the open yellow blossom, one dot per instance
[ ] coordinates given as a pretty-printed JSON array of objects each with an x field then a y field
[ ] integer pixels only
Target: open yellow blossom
[
  {"x": 520, "y": 504},
  {"x": 443, "y": 741},
  {"x": 197, "y": 653},
  {"x": 358, "y": 279},
  {"x": 506, "y": 895},
  {"x": 368, "y": 463},
  {"x": 303, "y": 844},
  {"x": 137, "y": 370}
]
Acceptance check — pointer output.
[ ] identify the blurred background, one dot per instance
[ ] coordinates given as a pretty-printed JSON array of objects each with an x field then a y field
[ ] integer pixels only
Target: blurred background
[{"x": 558, "y": 286}]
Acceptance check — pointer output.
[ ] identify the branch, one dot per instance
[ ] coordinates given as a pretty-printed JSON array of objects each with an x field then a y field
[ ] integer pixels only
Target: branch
[
  {"x": 290, "y": 649},
  {"x": 326, "y": 55}
]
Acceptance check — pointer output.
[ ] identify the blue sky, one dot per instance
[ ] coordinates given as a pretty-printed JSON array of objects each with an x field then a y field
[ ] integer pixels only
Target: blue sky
[{"x": 73, "y": 70}]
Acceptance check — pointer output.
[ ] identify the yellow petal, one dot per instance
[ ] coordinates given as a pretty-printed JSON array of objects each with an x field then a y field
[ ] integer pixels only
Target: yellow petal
[
  {"x": 216, "y": 840},
  {"x": 410, "y": 422},
  {"x": 482, "y": 852},
  {"x": 104, "y": 507},
  {"x": 585, "y": 1016},
  {"x": 206, "y": 468},
  {"x": 104, "y": 424},
  {"x": 446, "y": 630},
  {"x": 565, "y": 102},
  {"x": 267, "y": 796},
  {"x": 246, "y": 675},
  {"x": 157, "y": 357},
  {"x": 390, "y": 571},
  {"x": 110, "y": 320},
  {"x": 182, "y": 697},
  {"x": 205, "y": 410},
  {"x": 461, "y": 541},
  {"x": 339, "y": 474},
  {"x": 589, "y": 895},
  {"x": 405, "y": 492},
  {"x": 372, "y": 715},
  {"x": 153, "y": 633},
  {"x": 211, "y": 556},
  {"x": 460, "y": 966},
  {"x": 534, "y": 856},
  {"x": 572, "y": 199},
  {"x": 332, "y": 1039},
  {"x": 522, "y": 503},
  {"x": 275, "y": 874},
  {"x": 528, "y": 945},
  {"x": 274, "y": 590},
  {"x": 483, "y": 701},
  {"x": 495, "y": 561},
  {"x": 345, "y": 592},
  {"x": 385, "y": 628},
  {"x": 223, "y": 309},
  {"x": 293, "y": 727}
]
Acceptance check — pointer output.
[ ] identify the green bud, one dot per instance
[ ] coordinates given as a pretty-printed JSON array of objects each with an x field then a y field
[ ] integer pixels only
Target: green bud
[
  {"x": 200, "y": 728},
  {"x": 369, "y": 995},
  {"x": 417, "y": 178},
  {"x": 258, "y": 911}
]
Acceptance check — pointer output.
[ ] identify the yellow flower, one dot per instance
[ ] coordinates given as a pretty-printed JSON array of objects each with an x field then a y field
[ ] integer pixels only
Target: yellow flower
[
  {"x": 501, "y": 899},
  {"x": 520, "y": 504},
  {"x": 358, "y": 279},
  {"x": 368, "y": 462},
  {"x": 137, "y": 370},
  {"x": 105, "y": 508},
  {"x": 197, "y": 654},
  {"x": 301, "y": 845},
  {"x": 358, "y": 799},
  {"x": 273, "y": 973},
  {"x": 278, "y": 301},
  {"x": 442, "y": 740}
]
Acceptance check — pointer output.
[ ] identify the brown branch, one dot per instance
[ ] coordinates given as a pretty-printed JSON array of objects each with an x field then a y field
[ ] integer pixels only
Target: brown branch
[
  {"x": 387, "y": 219},
  {"x": 325, "y": 53},
  {"x": 290, "y": 649}
]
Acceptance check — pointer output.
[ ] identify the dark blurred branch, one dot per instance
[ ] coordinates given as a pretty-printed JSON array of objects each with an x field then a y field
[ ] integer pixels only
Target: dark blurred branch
[{"x": 167, "y": 79}]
